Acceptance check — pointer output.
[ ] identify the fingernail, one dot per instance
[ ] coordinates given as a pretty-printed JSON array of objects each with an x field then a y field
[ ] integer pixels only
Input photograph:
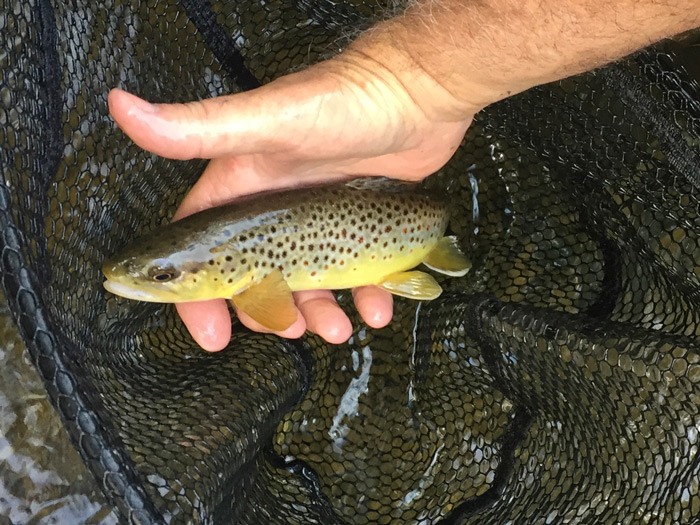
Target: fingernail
[{"x": 138, "y": 105}]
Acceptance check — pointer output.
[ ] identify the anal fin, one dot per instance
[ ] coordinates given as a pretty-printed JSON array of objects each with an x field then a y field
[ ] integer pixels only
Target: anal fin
[
  {"x": 269, "y": 302},
  {"x": 414, "y": 285},
  {"x": 447, "y": 258}
]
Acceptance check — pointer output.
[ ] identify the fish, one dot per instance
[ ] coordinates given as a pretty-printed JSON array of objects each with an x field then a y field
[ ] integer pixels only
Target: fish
[{"x": 260, "y": 248}]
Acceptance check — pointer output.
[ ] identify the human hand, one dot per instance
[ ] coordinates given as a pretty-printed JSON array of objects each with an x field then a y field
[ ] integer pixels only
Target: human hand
[{"x": 341, "y": 119}]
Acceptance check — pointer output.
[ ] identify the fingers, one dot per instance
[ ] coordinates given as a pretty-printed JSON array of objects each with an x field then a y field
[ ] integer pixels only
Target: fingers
[
  {"x": 208, "y": 322},
  {"x": 376, "y": 306},
  {"x": 323, "y": 315}
]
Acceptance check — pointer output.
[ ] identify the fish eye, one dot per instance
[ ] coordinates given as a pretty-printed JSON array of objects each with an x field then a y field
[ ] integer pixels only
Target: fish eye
[{"x": 162, "y": 275}]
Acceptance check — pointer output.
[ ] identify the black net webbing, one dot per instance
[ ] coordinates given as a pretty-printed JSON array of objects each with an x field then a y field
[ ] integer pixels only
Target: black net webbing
[{"x": 559, "y": 382}]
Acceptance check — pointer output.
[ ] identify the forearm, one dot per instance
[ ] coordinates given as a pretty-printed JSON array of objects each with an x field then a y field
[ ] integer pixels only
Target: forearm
[{"x": 473, "y": 53}]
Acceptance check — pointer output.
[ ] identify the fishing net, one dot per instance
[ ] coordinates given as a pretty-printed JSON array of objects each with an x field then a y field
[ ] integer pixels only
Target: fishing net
[{"x": 558, "y": 382}]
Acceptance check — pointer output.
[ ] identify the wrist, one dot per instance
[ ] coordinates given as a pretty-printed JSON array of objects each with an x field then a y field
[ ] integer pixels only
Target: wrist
[{"x": 380, "y": 60}]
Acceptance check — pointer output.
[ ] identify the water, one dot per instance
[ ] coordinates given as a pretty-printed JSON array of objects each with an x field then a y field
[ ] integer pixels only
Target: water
[{"x": 42, "y": 478}]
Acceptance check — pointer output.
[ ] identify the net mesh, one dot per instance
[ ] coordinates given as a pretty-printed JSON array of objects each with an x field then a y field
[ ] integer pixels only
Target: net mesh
[{"x": 556, "y": 383}]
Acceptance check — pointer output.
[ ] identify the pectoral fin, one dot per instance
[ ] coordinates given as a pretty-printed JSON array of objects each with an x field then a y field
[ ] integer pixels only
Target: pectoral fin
[
  {"x": 447, "y": 258},
  {"x": 268, "y": 302},
  {"x": 414, "y": 285}
]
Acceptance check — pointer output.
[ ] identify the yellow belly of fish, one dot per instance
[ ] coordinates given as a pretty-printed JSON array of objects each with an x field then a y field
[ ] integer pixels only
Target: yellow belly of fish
[{"x": 370, "y": 268}]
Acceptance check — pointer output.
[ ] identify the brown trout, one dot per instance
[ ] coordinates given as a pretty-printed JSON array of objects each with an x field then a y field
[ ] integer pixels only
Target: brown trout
[{"x": 261, "y": 248}]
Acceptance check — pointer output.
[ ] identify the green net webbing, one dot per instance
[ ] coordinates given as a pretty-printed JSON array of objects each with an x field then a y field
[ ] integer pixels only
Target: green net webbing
[{"x": 558, "y": 382}]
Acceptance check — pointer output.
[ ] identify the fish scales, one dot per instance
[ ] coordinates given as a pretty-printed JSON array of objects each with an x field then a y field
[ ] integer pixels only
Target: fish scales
[{"x": 334, "y": 238}]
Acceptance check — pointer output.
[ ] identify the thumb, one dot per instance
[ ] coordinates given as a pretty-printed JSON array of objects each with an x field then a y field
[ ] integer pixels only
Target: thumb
[{"x": 269, "y": 118}]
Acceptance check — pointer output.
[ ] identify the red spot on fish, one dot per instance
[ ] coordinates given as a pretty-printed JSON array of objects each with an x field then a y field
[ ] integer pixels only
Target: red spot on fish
[{"x": 361, "y": 240}]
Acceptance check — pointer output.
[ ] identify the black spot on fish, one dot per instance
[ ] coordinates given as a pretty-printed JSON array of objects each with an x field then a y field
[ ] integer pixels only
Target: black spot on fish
[
  {"x": 229, "y": 258},
  {"x": 211, "y": 262}
]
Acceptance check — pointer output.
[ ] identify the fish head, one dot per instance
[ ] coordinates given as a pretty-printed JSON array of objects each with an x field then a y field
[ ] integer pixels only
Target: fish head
[{"x": 175, "y": 277}]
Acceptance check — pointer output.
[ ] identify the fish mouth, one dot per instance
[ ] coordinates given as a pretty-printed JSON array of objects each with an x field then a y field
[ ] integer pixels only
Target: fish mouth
[{"x": 133, "y": 292}]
